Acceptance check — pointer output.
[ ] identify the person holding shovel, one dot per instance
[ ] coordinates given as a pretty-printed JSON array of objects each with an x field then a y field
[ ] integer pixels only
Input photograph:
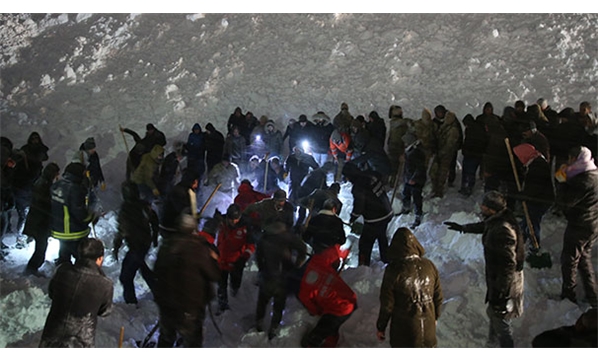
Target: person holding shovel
[{"x": 504, "y": 255}]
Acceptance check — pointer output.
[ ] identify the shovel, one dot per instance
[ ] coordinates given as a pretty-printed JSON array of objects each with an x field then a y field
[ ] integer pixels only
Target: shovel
[{"x": 536, "y": 259}]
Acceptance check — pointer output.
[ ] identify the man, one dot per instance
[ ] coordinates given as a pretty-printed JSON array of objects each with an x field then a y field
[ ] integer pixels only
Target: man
[
  {"x": 235, "y": 249},
  {"x": 298, "y": 165},
  {"x": 321, "y": 137},
  {"x": 325, "y": 228},
  {"x": 577, "y": 194},
  {"x": 227, "y": 174},
  {"x": 196, "y": 150},
  {"x": 371, "y": 202},
  {"x": 342, "y": 121},
  {"x": 504, "y": 255},
  {"x": 70, "y": 214},
  {"x": 214, "y": 141},
  {"x": 80, "y": 293},
  {"x": 146, "y": 175},
  {"x": 268, "y": 211},
  {"x": 410, "y": 294},
  {"x": 182, "y": 199},
  {"x": 153, "y": 137},
  {"x": 88, "y": 157},
  {"x": 449, "y": 138},
  {"x": 186, "y": 267},
  {"x": 396, "y": 147}
]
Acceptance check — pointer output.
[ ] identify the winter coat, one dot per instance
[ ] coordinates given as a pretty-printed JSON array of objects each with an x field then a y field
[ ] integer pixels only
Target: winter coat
[
  {"x": 196, "y": 146},
  {"x": 185, "y": 271},
  {"x": 504, "y": 256},
  {"x": 137, "y": 225},
  {"x": 397, "y": 129},
  {"x": 247, "y": 196},
  {"x": 237, "y": 119},
  {"x": 423, "y": 129},
  {"x": 340, "y": 142},
  {"x": 291, "y": 133},
  {"x": 305, "y": 133},
  {"x": 415, "y": 171},
  {"x": 178, "y": 201},
  {"x": 324, "y": 230},
  {"x": 91, "y": 163},
  {"x": 278, "y": 253},
  {"x": 233, "y": 244},
  {"x": 449, "y": 137},
  {"x": 537, "y": 178},
  {"x": 410, "y": 294},
  {"x": 70, "y": 216},
  {"x": 30, "y": 167},
  {"x": 227, "y": 175},
  {"x": 170, "y": 173},
  {"x": 273, "y": 140},
  {"x": 264, "y": 213},
  {"x": 148, "y": 142},
  {"x": 578, "y": 197},
  {"x": 321, "y": 137},
  {"x": 214, "y": 143},
  {"x": 322, "y": 290},
  {"x": 316, "y": 200},
  {"x": 79, "y": 293},
  {"x": 236, "y": 147},
  {"x": 496, "y": 158},
  {"x": 147, "y": 171},
  {"x": 476, "y": 138},
  {"x": 342, "y": 121},
  {"x": 377, "y": 128},
  {"x": 39, "y": 217},
  {"x": 298, "y": 164},
  {"x": 369, "y": 198}
]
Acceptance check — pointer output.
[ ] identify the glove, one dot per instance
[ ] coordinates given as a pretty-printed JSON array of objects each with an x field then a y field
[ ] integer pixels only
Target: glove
[
  {"x": 103, "y": 186},
  {"x": 502, "y": 306},
  {"x": 352, "y": 219},
  {"x": 454, "y": 226},
  {"x": 561, "y": 175},
  {"x": 156, "y": 192}
]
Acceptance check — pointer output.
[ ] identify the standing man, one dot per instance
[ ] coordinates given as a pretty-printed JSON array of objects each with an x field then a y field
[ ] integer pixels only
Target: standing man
[
  {"x": 504, "y": 255},
  {"x": 449, "y": 137},
  {"x": 80, "y": 293},
  {"x": 577, "y": 194}
]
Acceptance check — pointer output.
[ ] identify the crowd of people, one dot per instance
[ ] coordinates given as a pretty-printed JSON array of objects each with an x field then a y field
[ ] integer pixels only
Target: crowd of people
[{"x": 284, "y": 213}]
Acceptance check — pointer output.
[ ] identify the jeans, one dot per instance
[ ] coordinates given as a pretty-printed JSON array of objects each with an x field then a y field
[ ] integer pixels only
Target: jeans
[
  {"x": 415, "y": 192},
  {"x": 134, "y": 261},
  {"x": 372, "y": 232},
  {"x": 468, "y": 176},
  {"x": 500, "y": 329}
]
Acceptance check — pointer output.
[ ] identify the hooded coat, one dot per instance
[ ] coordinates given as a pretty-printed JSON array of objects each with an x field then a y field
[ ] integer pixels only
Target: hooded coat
[
  {"x": 80, "y": 293},
  {"x": 247, "y": 196},
  {"x": 410, "y": 294},
  {"x": 146, "y": 172}
]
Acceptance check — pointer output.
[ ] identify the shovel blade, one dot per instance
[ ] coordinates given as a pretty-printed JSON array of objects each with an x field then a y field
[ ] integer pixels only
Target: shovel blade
[{"x": 539, "y": 260}]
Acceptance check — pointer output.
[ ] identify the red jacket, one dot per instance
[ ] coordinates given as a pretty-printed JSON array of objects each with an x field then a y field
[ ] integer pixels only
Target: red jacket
[
  {"x": 247, "y": 196},
  {"x": 233, "y": 245},
  {"x": 322, "y": 290},
  {"x": 342, "y": 146}
]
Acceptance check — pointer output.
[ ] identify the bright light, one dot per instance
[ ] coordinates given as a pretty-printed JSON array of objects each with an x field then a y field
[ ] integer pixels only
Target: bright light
[
  {"x": 305, "y": 146},
  {"x": 258, "y": 138}
]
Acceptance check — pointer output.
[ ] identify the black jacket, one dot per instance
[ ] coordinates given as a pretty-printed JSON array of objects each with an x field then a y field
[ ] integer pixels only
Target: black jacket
[
  {"x": 324, "y": 230},
  {"x": 369, "y": 197},
  {"x": 70, "y": 215},
  {"x": 80, "y": 293},
  {"x": 39, "y": 217},
  {"x": 415, "y": 165},
  {"x": 579, "y": 199}
]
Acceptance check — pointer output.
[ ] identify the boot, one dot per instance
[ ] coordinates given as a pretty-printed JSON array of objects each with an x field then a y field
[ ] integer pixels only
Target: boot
[{"x": 417, "y": 221}]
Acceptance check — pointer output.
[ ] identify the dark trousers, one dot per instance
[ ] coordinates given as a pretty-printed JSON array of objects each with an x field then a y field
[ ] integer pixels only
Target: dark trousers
[
  {"x": 500, "y": 329},
  {"x": 39, "y": 255},
  {"x": 536, "y": 212},
  {"x": 189, "y": 325},
  {"x": 22, "y": 203},
  {"x": 372, "y": 232},
  {"x": 452, "y": 172},
  {"x": 271, "y": 290},
  {"x": 577, "y": 255},
  {"x": 68, "y": 249},
  {"x": 327, "y": 328},
  {"x": 468, "y": 175},
  {"x": 236, "y": 275},
  {"x": 413, "y": 192},
  {"x": 134, "y": 261}
]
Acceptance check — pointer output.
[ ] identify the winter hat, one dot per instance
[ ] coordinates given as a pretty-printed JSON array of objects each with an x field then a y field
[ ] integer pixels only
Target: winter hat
[
  {"x": 75, "y": 168},
  {"x": 279, "y": 195},
  {"x": 494, "y": 200},
  {"x": 89, "y": 144},
  {"x": 440, "y": 109},
  {"x": 149, "y": 127},
  {"x": 302, "y": 118},
  {"x": 196, "y": 126},
  {"x": 409, "y": 138},
  {"x": 210, "y": 127},
  {"x": 292, "y": 121},
  {"x": 344, "y": 106},
  {"x": 526, "y": 153},
  {"x": 233, "y": 212}
]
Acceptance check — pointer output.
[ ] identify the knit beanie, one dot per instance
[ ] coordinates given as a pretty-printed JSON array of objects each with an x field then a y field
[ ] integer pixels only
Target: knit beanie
[
  {"x": 494, "y": 200},
  {"x": 89, "y": 144}
]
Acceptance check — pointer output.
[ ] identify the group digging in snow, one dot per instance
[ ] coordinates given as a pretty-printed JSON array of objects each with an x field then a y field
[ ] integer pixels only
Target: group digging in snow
[{"x": 283, "y": 214}]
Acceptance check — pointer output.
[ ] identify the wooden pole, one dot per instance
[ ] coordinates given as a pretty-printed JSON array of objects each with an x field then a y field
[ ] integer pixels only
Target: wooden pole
[
  {"x": 122, "y": 337},
  {"x": 208, "y": 200}
]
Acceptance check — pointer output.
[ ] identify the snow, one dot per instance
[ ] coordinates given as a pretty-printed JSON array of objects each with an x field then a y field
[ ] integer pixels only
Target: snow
[{"x": 71, "y": 76}]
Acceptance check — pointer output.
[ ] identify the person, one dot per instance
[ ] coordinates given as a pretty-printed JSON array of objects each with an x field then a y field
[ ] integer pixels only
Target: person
[
  {"x": 303, "y": 133},
  {"x": 185, "y": 268},
  {"x": 376, "y": 127},
  {"x": 324, "y": 293},
  {"x": 272, "y": 139},
  {"x": 34, "y": 153},
  {"x": 342, "y": 120},
  {"x": 147, "y": 174},
  {"x": 410, "y": 294},
  {"x": 371, "y": 202},
  {"x": 153, "y": 136},
  {"x": 70, "y": 214},
  {"x": 291, "y": 133},
  {"x": 9, "y": 161},
  {"x": 247, "y": 195},
  {"x": 321, "y": 137},
  {"x": 39, "y": 217},
  {"x": 214, "y": 141},
  {"x": 449, "y": 137},
  {"x": 227, "y": 174},
  {"x": 235, "y": 250},
  {"x": 537, "y": 191},
  {"x": 182, "y": 199},
  {"x": 171, "y": 169},
  {"x": 88, "y": 157},
  {"x": 254, "y": 171},
  {"x": 237, "y": 119},
  {"x": 278, "y": 253},
  {"x": 414, "y": 177},
  {"x": 530, "y": 134},
  {"x": 325, "y": 228},
  {"x": 315, "y": 201},
  {"x": 196, "y": 150},
  {"x": 138, "y": 228},
  {"x": 340, "y": 145},
  {"x": 298, "y": 165},
  {"x": 474, "y": 146},
  {"x": 395, "y": 145},
  {"x": 504, "y": 256},
  {"x": 79, "y": 293},
  {"x": 235, "y": 146},
  {"x": 268, "y": 211},
  {"x": 583, "y": 334},
  {"x": 314, "y": 180},
  {"x": 577, "y": 195},
  {"x": 275, "y": 177}
]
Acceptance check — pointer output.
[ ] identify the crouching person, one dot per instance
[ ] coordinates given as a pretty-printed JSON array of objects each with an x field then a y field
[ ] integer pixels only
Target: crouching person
[
  {"x": 323, "y": 292},
  {"x": 80, "y": 293}
]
